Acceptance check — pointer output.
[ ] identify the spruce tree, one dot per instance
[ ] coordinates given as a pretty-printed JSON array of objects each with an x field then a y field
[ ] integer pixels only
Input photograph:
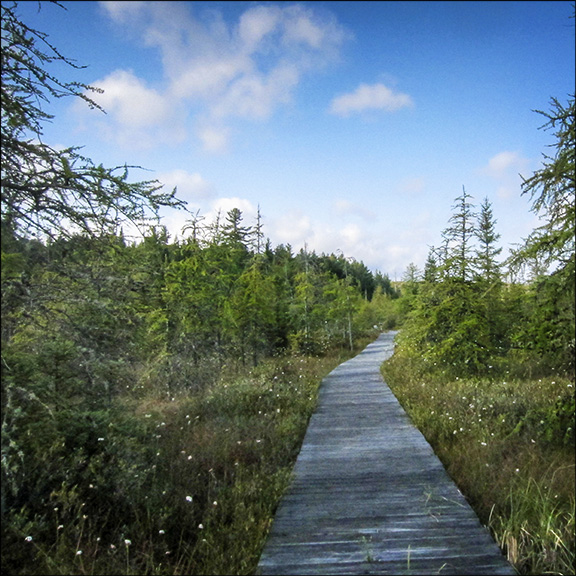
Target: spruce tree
[
  {"x": 459, "y": 236},
  {"x": 486, "y": 266}
]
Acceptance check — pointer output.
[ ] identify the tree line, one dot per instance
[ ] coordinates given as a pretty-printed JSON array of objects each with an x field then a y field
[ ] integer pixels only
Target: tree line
[{"x": 97, "y": 307}]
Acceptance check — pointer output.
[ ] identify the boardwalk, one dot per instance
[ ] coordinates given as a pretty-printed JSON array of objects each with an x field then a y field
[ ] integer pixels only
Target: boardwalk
[{"x": 369, "y": 496}]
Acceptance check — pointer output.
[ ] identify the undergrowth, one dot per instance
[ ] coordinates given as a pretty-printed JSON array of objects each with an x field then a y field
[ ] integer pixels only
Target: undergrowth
[
  {"x": 189, "y": 483},
  {"x": 508, "y": 442},
  {"x": 186, "y": 484}
]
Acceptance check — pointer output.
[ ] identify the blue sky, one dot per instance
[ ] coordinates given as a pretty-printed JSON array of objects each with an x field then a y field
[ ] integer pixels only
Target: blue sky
[{"x": 352, "y": 125}]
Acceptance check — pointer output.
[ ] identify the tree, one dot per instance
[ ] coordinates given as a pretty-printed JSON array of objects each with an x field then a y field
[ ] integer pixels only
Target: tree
[
  {"x": 550, "y": 332},
  {"x": 342, "y": 303},
  {"x": 487, "y": 269},
  {"x": 487, "y": 266},
  {"x": 307, "y": 307},
  {"x": 552, "y": 191},
  {"x": 258, "y": 234},
  {"x": 233, "y": 233},
  {"x": 431, "y": 266},
  {"x": 411, "y": 280},
  {"x": 283, "y": 269},
  {"x": 458, "y": 237},
  {"x": 253, "y": 311},
  {"x": 47, "y": 192},
  {"x": 453, "y": 316},
  {"x": 69, "y": 325},
  {"x": 383, "y": 282}
]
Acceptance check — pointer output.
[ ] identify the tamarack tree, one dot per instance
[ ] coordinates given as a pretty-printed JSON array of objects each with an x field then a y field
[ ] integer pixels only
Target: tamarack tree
[
  {"x": 550, "y": 327},
  {"x": 47, "y": 192}
]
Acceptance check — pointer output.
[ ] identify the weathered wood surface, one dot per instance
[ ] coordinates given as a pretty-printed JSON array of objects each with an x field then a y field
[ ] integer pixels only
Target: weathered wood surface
[{"x": 369, "y": 496}]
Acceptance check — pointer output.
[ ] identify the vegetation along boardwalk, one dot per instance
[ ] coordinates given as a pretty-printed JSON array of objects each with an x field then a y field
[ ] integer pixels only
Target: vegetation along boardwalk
[{"x": 369, "y": 496}]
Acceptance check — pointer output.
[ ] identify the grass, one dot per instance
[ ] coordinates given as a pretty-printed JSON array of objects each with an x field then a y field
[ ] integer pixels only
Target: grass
[
  {"x": 186, "y": 484},
  {"x": 509, "y": 445}
]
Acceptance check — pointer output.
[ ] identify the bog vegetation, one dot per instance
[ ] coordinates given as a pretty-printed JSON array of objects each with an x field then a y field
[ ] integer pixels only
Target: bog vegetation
[{"x": 155, "y": 392}]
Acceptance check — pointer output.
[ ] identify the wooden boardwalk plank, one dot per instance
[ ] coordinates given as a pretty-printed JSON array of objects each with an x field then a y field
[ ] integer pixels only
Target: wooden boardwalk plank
[{"x": 369, "y": 496}]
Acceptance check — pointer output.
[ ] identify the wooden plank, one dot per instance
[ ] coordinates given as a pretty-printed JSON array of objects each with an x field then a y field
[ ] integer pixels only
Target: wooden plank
[{"x": 369, "y": 496}]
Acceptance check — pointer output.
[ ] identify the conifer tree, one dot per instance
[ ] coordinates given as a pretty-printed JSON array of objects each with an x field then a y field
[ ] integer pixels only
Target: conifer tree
[
  {"x": 487, "y": 267},
  {"x": 47, "y": 192},
  {"x": 431, "y": 266},
  {"x": 448, "y": 325},
  {"x": 551, "y": 323},
  {"x": 458, "y": 237},
  {"x": 253, "y": 311}
]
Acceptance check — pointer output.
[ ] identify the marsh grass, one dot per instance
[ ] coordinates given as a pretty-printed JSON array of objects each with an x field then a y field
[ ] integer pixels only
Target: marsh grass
[
  {"x": 182, "y": 484},
  {"x": 509, "y": 445}
]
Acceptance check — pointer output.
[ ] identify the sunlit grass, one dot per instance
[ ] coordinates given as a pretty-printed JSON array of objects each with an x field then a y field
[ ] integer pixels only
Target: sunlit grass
[{"x": 509, "y": 445}]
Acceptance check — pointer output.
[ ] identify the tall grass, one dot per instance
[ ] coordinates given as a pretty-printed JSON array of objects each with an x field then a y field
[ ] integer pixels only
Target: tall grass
[
  {"x": 186, "y": 484},
  {"x": 509, "y": 445}
]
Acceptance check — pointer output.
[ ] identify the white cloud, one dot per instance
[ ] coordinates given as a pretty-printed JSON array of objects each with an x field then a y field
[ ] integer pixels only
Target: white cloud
[
  {"x": 501, "y": 164},
  {"x": 122, "y": 11},
  {"x": 224, "y": 205},
  {"x": 255, "y": 96},
  {"x": 214, "y": 138},
  {"x": 299, "y": 230},
  {"x": 292, "y": 227},
  {"x": 346, "y": 208},
  {"x": 126, "y": 97},
  {"x": 141, "y": 116},
  {"x": 505, "y": 169},
  {"x": 222, "y": 71},
  {"x": 208, "y": 77},
  {"x": 255, "y": 24},
  {"x": 301, "y": 28},
  {"x": 370, "y": 97},
  {"x": 201, "y": 203},
  {"x": 192, "y": 187},
  {"x": 352, "y": 234},
  {"x": 388, "y": 248}
]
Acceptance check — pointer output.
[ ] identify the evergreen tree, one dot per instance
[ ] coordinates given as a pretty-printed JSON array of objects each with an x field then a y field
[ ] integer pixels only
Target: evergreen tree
[
  {"x": 383, "y": 282},
  {"x": 491, "y": 297},
  {"x": 253, "y": 309},
  {"x": 48, "y": 192},
  {"x": 458, "y": 239},
  {"x": 551, "y": 323},
  {"x": 195, "y": 227},
  {"x": 448, "y": 324},
  {"x": 487, "y": 266},
  {"x": 258, "y": 233},
  {"x": 410, "y": 287},
  {"x": 552, "y": 191},
  {"x": 283, "y": 270},
  {"x": 431, "y": 273},
  {"x": 307, "y": 307}
]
